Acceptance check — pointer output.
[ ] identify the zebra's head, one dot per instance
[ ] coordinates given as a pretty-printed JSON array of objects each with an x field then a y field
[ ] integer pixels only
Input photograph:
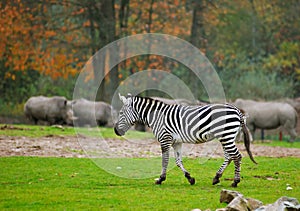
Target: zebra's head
[{"x": 127, "y": 116}]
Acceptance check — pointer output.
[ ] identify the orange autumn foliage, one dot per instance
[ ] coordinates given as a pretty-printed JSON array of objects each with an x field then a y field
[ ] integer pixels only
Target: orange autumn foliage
[{"x": 27, "y": 43}]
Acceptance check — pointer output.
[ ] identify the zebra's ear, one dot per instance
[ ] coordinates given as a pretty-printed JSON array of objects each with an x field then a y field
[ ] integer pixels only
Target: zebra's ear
[{"x": 123, "y": 99}]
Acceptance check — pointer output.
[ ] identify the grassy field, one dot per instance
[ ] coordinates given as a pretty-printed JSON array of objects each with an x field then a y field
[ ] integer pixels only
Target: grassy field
[
  {"x": 276, "y": 143},
  {"x": 32, "y": 183},
  {"x": 39, "y": 131},
  {"x": 35, "y": 183}
]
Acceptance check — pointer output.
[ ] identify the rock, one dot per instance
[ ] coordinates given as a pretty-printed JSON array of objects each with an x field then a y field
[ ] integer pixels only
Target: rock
[
  {"x": 253, "y": 204},
  {"x": 58, "y": 126},
  {"x": 228, "y": 195},
  {"x": 282, "y": 204},
  {"x": 262, "y": 208},
  {"x": 236, "y": 201},
  {"x": 288, "y": 187},
  {"x": 239, "y": 203}
]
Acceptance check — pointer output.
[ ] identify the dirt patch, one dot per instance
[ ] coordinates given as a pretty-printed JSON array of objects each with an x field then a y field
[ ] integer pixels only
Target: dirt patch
[{"x": 70, "y": 146}]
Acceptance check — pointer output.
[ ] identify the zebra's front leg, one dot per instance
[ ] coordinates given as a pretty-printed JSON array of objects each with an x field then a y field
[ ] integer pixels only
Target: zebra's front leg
[
  {"x": 178, "y": 158},
  {"x": 165, "y": 162}
]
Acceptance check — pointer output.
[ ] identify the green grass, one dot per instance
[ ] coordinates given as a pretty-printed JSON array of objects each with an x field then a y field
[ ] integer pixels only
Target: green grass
[
  {"x": 277, "y": 143},
  {"x": 32, "y": 183},
  {"x": 40, "y": 131},
  {"x": 285, "y": 138},
  {"x": 35, "y": 131}
]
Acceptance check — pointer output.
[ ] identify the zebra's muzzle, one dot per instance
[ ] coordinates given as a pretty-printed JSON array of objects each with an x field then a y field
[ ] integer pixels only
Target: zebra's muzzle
[{"x": 118, "y": 133}]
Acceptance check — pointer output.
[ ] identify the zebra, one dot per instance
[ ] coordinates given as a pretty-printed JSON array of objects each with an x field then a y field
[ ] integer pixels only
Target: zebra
[{"x": 175, "y": 124}]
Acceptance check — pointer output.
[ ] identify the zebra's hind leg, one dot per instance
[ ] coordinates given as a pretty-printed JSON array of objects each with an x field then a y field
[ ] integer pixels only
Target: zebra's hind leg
[
  {"x": 237, "y": 166},
  {"x": 178, "y": 160},
  {"x": 219, "y": 173}
]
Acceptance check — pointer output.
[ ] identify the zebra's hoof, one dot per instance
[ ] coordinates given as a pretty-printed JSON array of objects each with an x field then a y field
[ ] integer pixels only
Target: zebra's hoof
[
  {"x": 234, "y": 185},
  {"x": 158, "y": 182},
  {"x": 192, "y": 180},
  {"x": 215, "y": 180}
]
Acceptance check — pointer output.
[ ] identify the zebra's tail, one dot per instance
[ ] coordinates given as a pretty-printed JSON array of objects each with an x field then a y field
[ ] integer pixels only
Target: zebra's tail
[{"x": 247, "y": 140}]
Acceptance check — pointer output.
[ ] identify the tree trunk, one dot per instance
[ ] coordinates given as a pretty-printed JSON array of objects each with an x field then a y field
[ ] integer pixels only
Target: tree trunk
[
  {"x": 104, "y": 19},
  {"x": 124, "y": 14},
  {"x": 198, "y": 40},
  {"x": 198, "y": 32}
]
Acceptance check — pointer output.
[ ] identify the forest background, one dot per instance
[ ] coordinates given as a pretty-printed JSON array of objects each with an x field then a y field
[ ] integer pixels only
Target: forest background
[{"x": 44, "y": 44}]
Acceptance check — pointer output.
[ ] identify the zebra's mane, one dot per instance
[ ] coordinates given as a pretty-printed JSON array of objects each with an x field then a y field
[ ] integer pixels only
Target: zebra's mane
[
  {"x": 151, "y": 99},
  {"x": 147, "y": 101}
]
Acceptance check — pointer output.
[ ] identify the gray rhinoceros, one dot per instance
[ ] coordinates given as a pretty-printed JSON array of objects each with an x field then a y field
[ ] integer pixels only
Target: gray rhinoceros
[
  {"x": 269, "y": 115},
  {"x": 295, "y": 103},
  {"x": 90, "y": 113},
  {"x": 53, "y": 110}
]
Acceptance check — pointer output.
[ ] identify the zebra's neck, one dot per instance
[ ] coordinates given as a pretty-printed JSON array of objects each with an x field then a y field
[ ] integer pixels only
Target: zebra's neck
[{"x": 150, "y": 111}]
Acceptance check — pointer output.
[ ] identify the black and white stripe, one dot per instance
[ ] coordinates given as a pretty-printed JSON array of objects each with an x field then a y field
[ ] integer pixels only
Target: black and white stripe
[{"x": 176, "y": 124}]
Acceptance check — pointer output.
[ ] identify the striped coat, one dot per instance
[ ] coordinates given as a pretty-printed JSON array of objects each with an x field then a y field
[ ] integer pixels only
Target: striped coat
[{"x": 176, "y": 124}]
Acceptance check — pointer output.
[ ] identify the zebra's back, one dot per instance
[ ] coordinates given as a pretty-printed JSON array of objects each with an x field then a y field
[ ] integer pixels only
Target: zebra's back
[{"x": 194, "y": 124}]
